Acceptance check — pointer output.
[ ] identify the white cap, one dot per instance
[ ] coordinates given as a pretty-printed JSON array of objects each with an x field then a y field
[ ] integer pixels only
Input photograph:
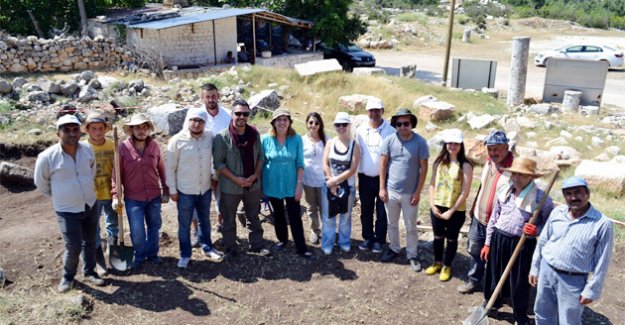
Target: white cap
[
  {"x": 453, "y": 136},
  {"x": 67, "y": 119},
  {"x": 197, "y": 112},
  {"x": 374, "y": 103},
  {"x": 342, "y": 117}
]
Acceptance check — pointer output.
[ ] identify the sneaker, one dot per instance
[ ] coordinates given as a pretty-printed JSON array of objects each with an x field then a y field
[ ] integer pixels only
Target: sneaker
[
  {"x": 365, "y": 245},
  {"x": 445, "y": 274},
  {"x": 314, "y": 238},
  {"x": 183, "y": 262},
  {"x": 415, "y": 265},
  {"x": 95, "y": 280},
  {"x": 308, "y": 256},
  {"x": 469, "y": 287},
  {"x": 195, "y": 238},
  {"x": 213, "y": 255},
  {"x": 389, "y": 255},
  {"x": 434, "y": 268},
  {"x": 64, "y": 285},
  {"x": 260, "y": 251},
  {"x": 345, "y": 249},
  {"x": 377, "y": 248},
  {"x": 327, "y": 251},
  {"x": 280, "y": 246}
]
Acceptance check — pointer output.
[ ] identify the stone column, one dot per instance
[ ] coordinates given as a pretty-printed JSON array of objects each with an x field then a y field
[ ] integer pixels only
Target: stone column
[
  {"x": 571, "y": 100},
  {"x": 518, "y": 70},
  {"x": 466, "y": 36}
]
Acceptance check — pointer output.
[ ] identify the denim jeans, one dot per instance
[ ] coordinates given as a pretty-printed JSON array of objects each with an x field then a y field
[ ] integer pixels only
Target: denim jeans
[
  {"x": 79, "y": 233},
  {"x": 397, "y": 204},
  {"x": 369, "y": 189},
  {"x": 110, "y": 219},
  {"x": 187, "y": 204},
  {"x": 477, "y": 237},
  {"x": 328, "y": 225},
  {"x": 142, "y": 214}
]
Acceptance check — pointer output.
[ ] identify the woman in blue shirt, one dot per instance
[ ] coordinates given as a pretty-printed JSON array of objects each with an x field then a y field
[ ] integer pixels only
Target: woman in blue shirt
[{"x": 283, "y": 170}]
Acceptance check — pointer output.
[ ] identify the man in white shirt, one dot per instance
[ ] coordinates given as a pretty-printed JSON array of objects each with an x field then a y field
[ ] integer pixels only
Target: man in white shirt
[
  {"x": 189, "y": 155},
  {"x": 65, "y": 172},
  {"x": 370, "y": 137}
]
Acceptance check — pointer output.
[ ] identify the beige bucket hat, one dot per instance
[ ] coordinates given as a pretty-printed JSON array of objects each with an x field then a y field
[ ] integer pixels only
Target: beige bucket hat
[
  {"x": 137, "y": 119},
  {"x": 95, "y": 117}
]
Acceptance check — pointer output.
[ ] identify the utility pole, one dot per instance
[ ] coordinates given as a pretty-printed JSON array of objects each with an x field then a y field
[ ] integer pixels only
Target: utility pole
[{"x": 450, "y": 29}]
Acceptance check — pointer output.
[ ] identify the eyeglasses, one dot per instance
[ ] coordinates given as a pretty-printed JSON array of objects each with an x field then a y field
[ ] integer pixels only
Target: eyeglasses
[
  {"x": 196, "y": 120},
  {"x": 341, "y": 125},
  {"x": 244, "y": 114},
  {"x": 400, "y": 124},
  {"x": 313, "y": 123}
]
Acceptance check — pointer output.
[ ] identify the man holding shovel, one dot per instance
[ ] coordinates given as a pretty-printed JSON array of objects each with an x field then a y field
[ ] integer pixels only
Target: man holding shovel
[
  {"x": 576, "y": 241},
  {"x": 513, "y": 208},
  {"x": 65, "y": 172}
]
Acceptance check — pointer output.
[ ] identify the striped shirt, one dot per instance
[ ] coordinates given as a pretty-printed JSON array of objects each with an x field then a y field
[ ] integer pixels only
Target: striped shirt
[
  {"x": 492, "y": 180},
  {"x": 582, "y": 245},
  {"x": 508, "y": 218}
]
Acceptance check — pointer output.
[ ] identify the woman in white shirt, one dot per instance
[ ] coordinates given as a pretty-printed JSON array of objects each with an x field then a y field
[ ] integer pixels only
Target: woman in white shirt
[{"x": 314, "y": 144}]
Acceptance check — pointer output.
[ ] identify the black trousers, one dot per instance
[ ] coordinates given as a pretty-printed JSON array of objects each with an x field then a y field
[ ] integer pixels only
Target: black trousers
[
  {"x": 446, "y": 229},
  {"x": 369, "y": 190},
  {"x": 293, "y": 210},
  {"x": 516, "y": 287}
]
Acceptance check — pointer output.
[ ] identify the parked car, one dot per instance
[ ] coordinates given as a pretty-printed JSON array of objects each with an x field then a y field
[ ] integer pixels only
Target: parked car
[
  {"x": 349, "y": 56},
  {"x": 583, "y": 52}
]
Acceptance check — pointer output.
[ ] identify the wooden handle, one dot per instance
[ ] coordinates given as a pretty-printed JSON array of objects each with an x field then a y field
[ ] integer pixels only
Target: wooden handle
[
  {"x": 118, "y": 186},
  {"x": 519, "y": 246}
]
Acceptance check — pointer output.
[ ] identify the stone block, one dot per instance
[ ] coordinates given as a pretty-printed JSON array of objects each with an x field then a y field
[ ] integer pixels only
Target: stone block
[
  {"x": 169, "y": 118},
  {"x": 318, "y": 66},
  {"x": 368, "y": 71},
  {"x": 608, "y": 176},
  {"x": 436, "y": 110}
]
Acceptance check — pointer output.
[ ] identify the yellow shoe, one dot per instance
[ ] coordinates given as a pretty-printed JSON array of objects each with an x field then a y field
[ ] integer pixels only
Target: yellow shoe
[
  {"x": 434, "y": 268},
  {"x": 445, "y": 274}
]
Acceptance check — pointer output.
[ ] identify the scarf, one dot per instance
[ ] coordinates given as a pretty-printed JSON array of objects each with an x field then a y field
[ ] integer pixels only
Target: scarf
[
  {"x": 526, "y": 200},
  {"x": 246, "y": 144}
]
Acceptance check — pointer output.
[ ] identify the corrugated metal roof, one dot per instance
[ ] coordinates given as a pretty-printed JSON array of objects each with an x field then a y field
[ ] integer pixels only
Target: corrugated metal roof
[{"x": 195, "y": 17}]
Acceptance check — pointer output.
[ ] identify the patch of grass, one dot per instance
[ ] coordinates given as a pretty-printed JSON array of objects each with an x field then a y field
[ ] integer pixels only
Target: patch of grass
[
  {"x": 409, "y": 17},
  {"x": 6, "y": 106}
]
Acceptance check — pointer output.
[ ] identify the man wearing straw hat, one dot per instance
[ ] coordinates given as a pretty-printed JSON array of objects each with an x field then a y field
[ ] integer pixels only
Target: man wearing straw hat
[
  {"x": 64, "y": 172},
  {"x": 96, "y": 126},
  {"x": 512, "y": 210},
  {"x": 143, "y": 179},
  {"x": 576, "y": 241}
]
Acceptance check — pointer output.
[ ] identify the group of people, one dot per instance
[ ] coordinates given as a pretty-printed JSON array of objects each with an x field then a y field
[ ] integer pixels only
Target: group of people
[{"x": 219, "y": 154}]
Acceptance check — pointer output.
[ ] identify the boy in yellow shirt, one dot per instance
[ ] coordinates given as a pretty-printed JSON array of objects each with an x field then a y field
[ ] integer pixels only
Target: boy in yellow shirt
[{"x": 96, "y": 126}]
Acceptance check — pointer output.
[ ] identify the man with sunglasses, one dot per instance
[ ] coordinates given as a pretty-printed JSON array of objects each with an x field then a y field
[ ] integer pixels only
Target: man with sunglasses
[
  {"x": 65, "y": 173},
  {"x": 370, "y": 137},
  {"x": 238, "y": 160},
  {"x": 403, "y": 167}
]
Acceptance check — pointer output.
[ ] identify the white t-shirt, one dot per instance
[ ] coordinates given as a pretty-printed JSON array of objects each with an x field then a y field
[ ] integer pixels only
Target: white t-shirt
[
  {"x": 370, "y": 141},
  {"x": 219, "y": 121},
  {"x": 313, "y": 162}
]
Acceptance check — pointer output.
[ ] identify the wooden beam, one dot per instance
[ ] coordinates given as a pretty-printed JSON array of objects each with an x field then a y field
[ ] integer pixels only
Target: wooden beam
[
  {"x": 214, "y": 43},
  {"x": 254, "y": 38}
]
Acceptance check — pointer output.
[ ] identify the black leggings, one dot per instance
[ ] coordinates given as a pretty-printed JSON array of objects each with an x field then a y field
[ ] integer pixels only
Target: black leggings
[
  {"x": 446, "y": 229},
  {"x": 293, "y": 212}
]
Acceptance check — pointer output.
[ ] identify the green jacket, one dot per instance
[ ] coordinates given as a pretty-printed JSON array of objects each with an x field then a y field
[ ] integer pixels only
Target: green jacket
[{"x": 225, "y": 154}]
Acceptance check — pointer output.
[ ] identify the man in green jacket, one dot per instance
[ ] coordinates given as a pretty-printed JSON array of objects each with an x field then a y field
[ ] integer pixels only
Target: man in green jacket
[{"x": 238, "y": 160}]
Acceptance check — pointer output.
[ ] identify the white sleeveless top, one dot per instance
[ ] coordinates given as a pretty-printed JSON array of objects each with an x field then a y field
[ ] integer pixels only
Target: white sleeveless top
[{"x": 340, "y": 161}]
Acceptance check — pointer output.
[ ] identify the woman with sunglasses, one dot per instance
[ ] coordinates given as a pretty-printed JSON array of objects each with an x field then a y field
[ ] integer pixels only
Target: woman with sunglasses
[
  {"x": 449, "y": 188},
  {"x": 283, "y": 172},
  {"x": 340, "y": 163},
  {"x": 314, "y": 144}
]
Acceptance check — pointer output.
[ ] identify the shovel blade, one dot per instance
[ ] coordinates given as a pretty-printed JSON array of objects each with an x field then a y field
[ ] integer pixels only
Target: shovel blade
[
  {"x": 120, "y": 257},
  {"x": 477, "y": 317}
]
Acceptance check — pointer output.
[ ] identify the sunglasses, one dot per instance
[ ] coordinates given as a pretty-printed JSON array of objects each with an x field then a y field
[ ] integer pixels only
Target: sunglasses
[
  {"x": 341, "y": 125},
  {"x": 245, "y": 114},
  {"x": 313, "y": 123},
  {"x": 400, "y": 124}
]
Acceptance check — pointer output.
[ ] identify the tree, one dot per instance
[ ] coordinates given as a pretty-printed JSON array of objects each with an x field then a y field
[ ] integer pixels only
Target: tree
[{"x": 83, "y": 18}]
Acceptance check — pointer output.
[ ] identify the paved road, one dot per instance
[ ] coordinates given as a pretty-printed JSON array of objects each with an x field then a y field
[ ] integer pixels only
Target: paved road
[{"x": 430, "y": 69}]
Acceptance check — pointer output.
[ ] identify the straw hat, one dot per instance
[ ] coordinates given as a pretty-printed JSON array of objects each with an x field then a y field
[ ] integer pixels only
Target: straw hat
[
  {"x": 280, "y": 112},
  {"x": 96, "y": 117},
  {"x": 137, "y": 119},
  {"x": 525, "y": 166}
]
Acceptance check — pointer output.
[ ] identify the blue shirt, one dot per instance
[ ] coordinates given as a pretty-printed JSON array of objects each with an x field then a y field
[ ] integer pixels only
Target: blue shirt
[
  {"x": 582, "y": 245},
  {"x": 280, "y": 165},
  {"x": 404, "y": 157}
]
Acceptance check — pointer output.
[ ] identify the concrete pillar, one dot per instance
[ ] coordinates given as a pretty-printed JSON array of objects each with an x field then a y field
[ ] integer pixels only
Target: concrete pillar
[
  {"x": 518, "y": 70},
  {"x": 466, "y": 36},
  {"x": 571, "y": 100}
]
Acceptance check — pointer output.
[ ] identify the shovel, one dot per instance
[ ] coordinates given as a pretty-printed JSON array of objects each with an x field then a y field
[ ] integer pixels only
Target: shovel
[
  {"x": 478, "y": 314},
  {"x": 120, "y": 256}
]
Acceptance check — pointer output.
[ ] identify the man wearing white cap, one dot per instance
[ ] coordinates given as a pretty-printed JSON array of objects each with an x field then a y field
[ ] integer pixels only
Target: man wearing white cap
[
  {"x": 189, "y": 155},
  {"x": 65, "y": 173},
  {"x": 575, "y": 243},
  {"x": 370, "y": 137}
]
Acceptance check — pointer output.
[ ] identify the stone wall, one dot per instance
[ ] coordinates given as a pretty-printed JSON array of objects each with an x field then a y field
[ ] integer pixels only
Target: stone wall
[
  {"x": 33, "y": 54},
  {"x": 289, "y": 60},
  {"x": 191, "y": 44}
]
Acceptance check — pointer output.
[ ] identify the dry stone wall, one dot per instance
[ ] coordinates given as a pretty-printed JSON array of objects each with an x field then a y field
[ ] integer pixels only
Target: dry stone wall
[{"x": 33, "y": 54}]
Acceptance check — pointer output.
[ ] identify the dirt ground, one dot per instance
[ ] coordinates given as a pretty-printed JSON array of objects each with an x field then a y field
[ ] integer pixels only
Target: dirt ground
[{"x": 344, "y": 288}]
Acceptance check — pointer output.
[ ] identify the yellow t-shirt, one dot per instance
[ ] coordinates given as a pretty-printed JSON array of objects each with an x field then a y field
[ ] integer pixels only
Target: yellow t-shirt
[
  {"x": 104, "y": 160},
  {"x": 448, "y": 186}
]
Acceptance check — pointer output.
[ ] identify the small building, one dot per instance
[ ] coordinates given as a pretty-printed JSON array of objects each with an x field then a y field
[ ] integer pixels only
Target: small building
[{"x": 197, "y": 37}]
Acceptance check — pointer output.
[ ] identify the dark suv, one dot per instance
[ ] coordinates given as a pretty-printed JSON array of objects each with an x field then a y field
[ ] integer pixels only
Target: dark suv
[{"x": 349, "y": 56}]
